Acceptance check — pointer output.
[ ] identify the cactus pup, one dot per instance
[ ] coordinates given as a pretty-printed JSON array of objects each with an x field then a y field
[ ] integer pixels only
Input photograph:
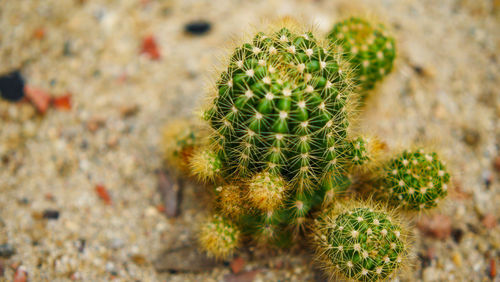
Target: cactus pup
[
  {"x": 414, "y": 180},
  {"x": 368, "y": 47},
  {"x": 361, "y": 242}
]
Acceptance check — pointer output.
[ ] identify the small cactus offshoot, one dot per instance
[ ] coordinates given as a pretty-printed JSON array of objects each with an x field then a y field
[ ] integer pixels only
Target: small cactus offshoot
[
  {"x": 360, "y": 242},
  {"x": 219, "y": 237},
  {"x": 205, "y": 164},
  {"x": 180, "y": 138},
  {"x": 415, "y": 180},
  {"x": 368, "y": 47},
  {"x": 266, "y": 191}
]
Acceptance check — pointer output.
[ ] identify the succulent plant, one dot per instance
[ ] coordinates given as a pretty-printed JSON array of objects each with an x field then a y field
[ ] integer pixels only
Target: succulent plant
[
  {"x": 219, "y": 237},
  {"x": 279, "y": 152},
  {"x": 359, "y": 242},
  {"x": 205, "y": 164},
  {"x": 282, "y": 106},
  {"x": 414, "y": 180},
  {"x": 180, "y": 138},
  {"x": 368, "y": 47}
]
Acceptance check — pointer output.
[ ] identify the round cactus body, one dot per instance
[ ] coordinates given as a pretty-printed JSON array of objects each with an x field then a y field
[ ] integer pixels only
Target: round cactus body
[
  {"x": 266, "y": 191},
  {"x": 229, "y": 201},
  {"x": 219, "y": 237},
  {"x": 415, "y": 180},
  {"x": 205, "y": 164},
  {"x": 282, "y": 107},
  {"x": 360, "y": 243},
  {"x": 368, "y": 47}
]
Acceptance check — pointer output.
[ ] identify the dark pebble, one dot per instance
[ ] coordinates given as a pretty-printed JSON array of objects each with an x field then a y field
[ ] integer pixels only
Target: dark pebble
[
  {"x": 81, "y": 245},
  {"x": 198, "y": 27},
  {"x": 471, "y": 137},
  {"x": 6, "y": 250},
  {"x": 424, "y": 260},
  {"x": 51, "y": 214},
  {"x": 457, "y": 234},
  {"x": 419, "y": 70},
  {"x": 11, "y": 86},
  {"x": 67, "y": 49}
]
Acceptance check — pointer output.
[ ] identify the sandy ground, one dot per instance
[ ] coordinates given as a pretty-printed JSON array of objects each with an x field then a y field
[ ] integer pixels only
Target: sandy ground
[{"x": 444, "y": 93}]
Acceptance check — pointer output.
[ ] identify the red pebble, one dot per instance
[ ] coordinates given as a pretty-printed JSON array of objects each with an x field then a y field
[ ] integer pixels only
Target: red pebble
[
  {"x": 237, "y": 265},
  {"x": 160, "y": 208},
  {"x": 437, "y": 226},
  {"x": 21, "y": 275},
  {"x": 150, "y": 48},
  {"x": 493, "y": 269},
  {"x": 489, "y": 221},
  {"x": 62, "y": 102},
  {"x": 39, "y": 98},
  {"x": 39, "y": 33},
  {"x": 103, "y": 194}
]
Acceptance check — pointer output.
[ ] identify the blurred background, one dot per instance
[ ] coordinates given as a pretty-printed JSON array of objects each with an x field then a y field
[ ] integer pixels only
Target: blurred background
[{"x": 80, "y": 187}]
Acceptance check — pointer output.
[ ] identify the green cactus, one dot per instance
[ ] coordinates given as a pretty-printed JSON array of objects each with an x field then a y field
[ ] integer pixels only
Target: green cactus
[
  {"x": 360, "y": 242},
  {"x": 368, "y": 47},
  {"x": 282, "y": 106},
  {"x": 414, "y": 180},
  {"x": 219, "y": 237},
  {"x": 180, "y": 139},
  {"x": 205, "y": 164},
  {"x": 358, "y": 151}
]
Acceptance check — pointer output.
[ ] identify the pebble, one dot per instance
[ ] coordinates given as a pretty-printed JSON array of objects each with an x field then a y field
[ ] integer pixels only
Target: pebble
[
  {"x": 457, "y": 234},
  {"x": 492, "y": 269},
  {"x": 471, "y": 137},
  {"x": 489, "y": 221},
  {"x": 138, "y": 259},
  {"x": 21, "y": 275},
  {"x": 11, "y": 86},
  {"x": 169, "y": 188},
  {"x": 129, "y": 111},
  {"x": 496, "y": 164},
  {"x": 116, "y": 243},
  {"x": 237, "y": 265},
  {"x": 457, "y": 259},
  {"x": 437, "y": 226},
  {"x": 95, "y": 123},
  {"x": 39, "y": 98},
  {"x": 6, "y": 250},
  {"x": 198, "y": 27},
  {"x": 51, "y": 214},
  {"x": 247, "y": 276}
]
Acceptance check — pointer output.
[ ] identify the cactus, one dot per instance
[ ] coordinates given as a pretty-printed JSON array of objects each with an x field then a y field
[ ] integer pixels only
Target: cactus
[
  {"x": 282, "y": 106},
  {"x": 205, "y": 164},
  {"x": 279, "y": 152},
  {"x": 266, "y": 191},
  {"x": 219, "y": 237},
  {"x": 414, "y": 180},
  {"x": 229, "y": 201},
  {"x": 359, "y": 242},
  {"x": 368, "y": 47},
  {"x": 180, "y": 138}
]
